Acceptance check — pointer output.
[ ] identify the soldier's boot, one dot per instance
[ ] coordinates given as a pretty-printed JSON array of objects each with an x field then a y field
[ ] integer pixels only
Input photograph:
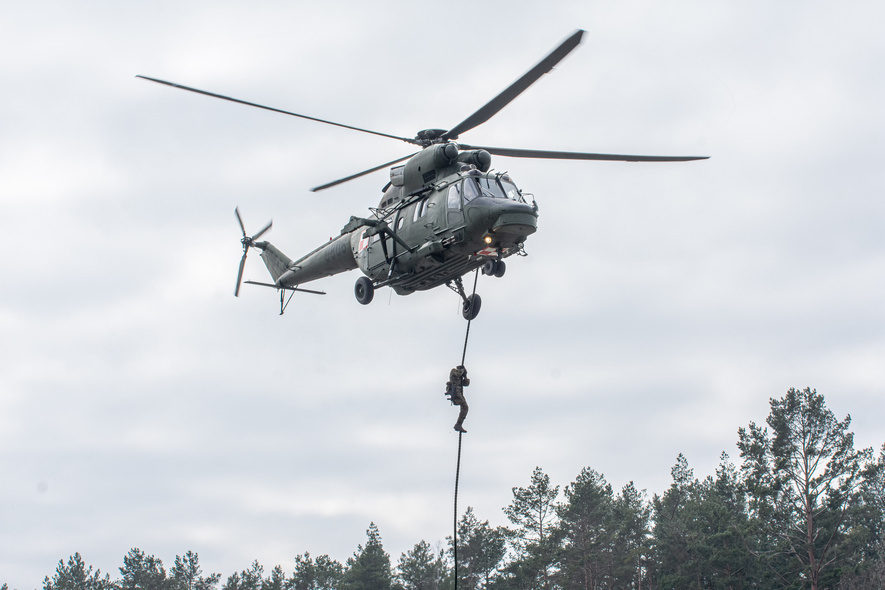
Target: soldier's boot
[{"x": 461, "y": 415}]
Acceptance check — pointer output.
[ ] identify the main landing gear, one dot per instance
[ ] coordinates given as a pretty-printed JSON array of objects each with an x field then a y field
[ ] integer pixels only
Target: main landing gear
[
  {"x": 471, "y": 304},
  {"x": 470, "y": 307},
  {"x": 364, "y": 290}
]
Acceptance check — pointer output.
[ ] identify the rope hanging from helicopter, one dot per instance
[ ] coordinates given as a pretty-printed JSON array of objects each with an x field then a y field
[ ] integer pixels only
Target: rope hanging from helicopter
[{"x": 458, "y": 462}]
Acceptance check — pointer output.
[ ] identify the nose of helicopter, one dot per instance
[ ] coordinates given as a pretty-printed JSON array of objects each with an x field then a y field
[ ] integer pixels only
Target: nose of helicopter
[
  {"x": 515, "y": 219},
  {"x": 503, "y": 221}
]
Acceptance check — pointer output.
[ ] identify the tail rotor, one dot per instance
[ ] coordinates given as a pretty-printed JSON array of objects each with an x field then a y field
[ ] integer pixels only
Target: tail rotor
[{"x": 247, "y": 242}]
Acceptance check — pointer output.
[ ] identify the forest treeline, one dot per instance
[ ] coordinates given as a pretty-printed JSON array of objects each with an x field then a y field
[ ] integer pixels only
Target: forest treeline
[{"x": 802, "y": 509}]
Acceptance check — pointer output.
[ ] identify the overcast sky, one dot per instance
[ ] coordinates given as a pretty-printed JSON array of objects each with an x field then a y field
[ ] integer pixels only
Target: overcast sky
[{"x": 660, "y": 306}]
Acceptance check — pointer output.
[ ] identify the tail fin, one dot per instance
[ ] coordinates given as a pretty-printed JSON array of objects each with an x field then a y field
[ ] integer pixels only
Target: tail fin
[{"x": 275, "y": 261}]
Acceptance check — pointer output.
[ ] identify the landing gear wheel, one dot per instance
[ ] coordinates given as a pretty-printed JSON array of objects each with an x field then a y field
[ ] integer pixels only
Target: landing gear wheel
[
  {"x": 471, "y": 306},
  {"x": 364, "y": 290},
  {"x": 494, "y": 268}
]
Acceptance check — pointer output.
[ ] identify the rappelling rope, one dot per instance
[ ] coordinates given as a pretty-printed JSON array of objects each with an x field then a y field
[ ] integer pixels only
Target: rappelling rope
[
  {"x": 455, "y": 534},
  {"x": 458, "y": 464}
]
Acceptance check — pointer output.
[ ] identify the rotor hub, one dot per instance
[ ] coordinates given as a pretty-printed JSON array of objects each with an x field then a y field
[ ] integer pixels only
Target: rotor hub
[{"x": 430, "y": 136}]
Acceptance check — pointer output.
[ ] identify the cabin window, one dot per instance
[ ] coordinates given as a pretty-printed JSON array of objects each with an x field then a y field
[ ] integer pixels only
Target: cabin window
[
  {"x": 454, "y": 197},
  {"x": 420, "y": 209},
  {"x": 399, "y": 223}
]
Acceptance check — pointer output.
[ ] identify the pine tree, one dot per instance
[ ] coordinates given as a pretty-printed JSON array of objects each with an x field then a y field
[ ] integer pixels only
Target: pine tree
[
  {"x": 322, "y": 573},
  {"x": 533, "y": 511},
  {"x": 186, "y": 574},
  {"x": 75, "y": 575},
  {"x": 250, "y": 579},
  {"x": 724, "y": 510},
  {"x": 631, "y": 551},
  {"x": 868, "y": 533},
  {"x": 142, "y": 572},
  {"x": 422, "y": 569},
  {"x": 701, "y": 530},
  {"x": 803, "y": 478},
  {"x": 480, "y": 551},
  {"x": 369, "y": 568},
  {"x": 678, "y": 543},
  {"x": 588, "y": 532},
  {"x": 276, "y": 580}
]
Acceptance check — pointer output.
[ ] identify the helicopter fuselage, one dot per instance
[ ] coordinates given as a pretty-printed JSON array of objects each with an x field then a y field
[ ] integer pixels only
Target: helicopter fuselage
[
  {"x": 450, "y": 230},
  {"x": 432, "y": 236},
  {"x": 443, "y": 213}
]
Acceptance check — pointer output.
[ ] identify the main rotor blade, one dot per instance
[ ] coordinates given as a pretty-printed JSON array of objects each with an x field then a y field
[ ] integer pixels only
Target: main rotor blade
[
  {"x": 252, "y": 104},
  {"x": 515, "y": 89},
  {"x": 553, "y": 155},
  {"x": 358, "y": 174}
]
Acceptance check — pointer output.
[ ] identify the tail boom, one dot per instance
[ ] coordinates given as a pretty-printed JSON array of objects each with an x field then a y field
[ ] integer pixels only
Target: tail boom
[{"x": 333, "y": 257}]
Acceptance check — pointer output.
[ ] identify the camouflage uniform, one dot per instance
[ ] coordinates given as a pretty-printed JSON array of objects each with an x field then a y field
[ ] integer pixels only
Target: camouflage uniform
[{"x": 455, "y": 391}]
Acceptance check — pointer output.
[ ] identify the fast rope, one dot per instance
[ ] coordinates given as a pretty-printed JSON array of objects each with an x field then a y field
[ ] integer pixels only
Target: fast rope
[
  {"x": 455, "y": 527},
  {"x": 458, "y": 464}
]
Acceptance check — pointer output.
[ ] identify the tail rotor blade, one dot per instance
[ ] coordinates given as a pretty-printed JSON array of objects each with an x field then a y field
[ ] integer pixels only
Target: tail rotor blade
[
  {"x": 240, "y": 220},
  {"x": 240, "y": 273},
  {"x": 247, "y": 243},
  {"x": 264, "y": 229}
]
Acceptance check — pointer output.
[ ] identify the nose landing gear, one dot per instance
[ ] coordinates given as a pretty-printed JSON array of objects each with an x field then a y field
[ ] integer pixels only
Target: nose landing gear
[{"x": 495, "y": 268}]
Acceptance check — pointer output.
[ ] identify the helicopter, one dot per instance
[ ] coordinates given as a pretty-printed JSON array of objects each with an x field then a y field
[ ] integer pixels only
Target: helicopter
[{"x": 444, "y": 212}]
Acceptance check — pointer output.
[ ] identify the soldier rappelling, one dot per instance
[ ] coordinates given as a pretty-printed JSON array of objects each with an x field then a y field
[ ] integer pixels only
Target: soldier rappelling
[{"x": 455, "y": 393}]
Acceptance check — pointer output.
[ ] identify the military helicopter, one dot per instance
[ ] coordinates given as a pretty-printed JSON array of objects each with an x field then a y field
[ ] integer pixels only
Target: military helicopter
[{"x": 443, "y": 214}]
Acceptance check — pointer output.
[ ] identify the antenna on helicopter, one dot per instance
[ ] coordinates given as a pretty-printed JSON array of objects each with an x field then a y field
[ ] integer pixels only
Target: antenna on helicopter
[{"x": 247, "y": 242}]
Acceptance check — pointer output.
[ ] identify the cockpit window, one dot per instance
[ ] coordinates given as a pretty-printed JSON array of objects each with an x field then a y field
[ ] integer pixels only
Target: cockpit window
[
  {"x": 494, "y": 187},
  {"x": 471, "y": 189},
  {"x": 510, "y": 190}
]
